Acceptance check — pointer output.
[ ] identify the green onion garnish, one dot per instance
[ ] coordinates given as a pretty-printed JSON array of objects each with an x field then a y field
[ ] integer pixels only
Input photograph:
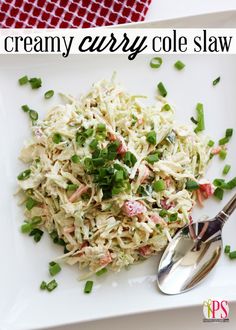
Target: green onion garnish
[
  {"x": 231, "y": 184},
  {"x": 210, "y": 143},
  {"x": 227, "y": 249},
  {"x": 43, "y": 285},
  {"x": 88, "y": 287},
  {"x": 26, "y": 228},
  {"x": 72, "y": 187},
  {"x": 33, "y": 115},
  {"x": 158, "y": 185},
  {"x": 173, "y": 216},
  {"x": 193, "y": 120},
  {"x": 24, "y": 175},
  {"x": 25, "y": 108},
  {"x": 151, "y": 137},
  {"x": 226, "y": 169},
  {"x": 224, "y": 140},
  {"x": 35, "y": 83},
  {"x": 191, "y": 185},
  {"x": 57, "y": 138},
  {"x": 229, "y": 132},
  {"x": 223, "y": 154},
  {"x": 156, "y": 62},
  {"x": 93, "y": 144},
  {"x": 166, "y": 107},
  {"x": 101, "y": 272},
  {"x": 52, "y": 285},
  {"x": 54, "y": 268},
  {"x": 129, "y": 159},
  {"x": 119, "y": 176},
  {"x": 48, "y": 94},
  {"x": 216, "y": 81},
  {"x": 101, "y": 127},
  {"x": 151, "y": 159},
  {"x": 219, "y": 193},
  {"x": 200, "y": 118},
  {"x": 37, "y": 234},
  {"x": 162, "y": 89},
  {"x": 163, "y": 213},
  {"x": 23, "y": 80},
  {"x": 75, "y": 159},
  {"x": 30, "y": 203},
  {"x": 232, "y": 255},
  {"x": 219, "y": 182},
  {"x": 179, "y": 65}
]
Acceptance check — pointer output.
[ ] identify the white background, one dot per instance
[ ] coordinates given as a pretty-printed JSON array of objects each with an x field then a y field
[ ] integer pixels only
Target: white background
[{"x": 183, "y": 319}]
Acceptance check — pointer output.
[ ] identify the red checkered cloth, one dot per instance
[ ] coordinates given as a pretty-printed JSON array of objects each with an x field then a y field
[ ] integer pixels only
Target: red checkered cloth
[{"x": 70, "y": 13}]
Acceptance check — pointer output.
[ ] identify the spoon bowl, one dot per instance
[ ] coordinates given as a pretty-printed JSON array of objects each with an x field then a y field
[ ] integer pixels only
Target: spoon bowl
[{"x": 192, "y": 253}]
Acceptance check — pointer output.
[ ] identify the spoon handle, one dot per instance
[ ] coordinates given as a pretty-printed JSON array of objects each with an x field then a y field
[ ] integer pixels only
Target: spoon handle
[{"x": 227, "y": 210}]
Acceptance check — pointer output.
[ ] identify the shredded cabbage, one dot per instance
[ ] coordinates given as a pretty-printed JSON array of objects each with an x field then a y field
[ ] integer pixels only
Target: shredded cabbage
[{"x": 86, "y": 185}]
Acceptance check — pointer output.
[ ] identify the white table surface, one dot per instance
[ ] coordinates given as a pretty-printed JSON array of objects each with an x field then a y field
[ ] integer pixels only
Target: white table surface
[{"x": 184, "y": 319}]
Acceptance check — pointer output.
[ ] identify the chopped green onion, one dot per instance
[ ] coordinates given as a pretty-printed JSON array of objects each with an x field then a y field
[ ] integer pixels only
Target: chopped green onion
[
  {"x": 33, "y": 115},
  {"x": 156, "y": 62},
  {"x": 88, "y": 287},
  {"x": 162, "y": 89},
  {"x": 101, "y": 272},
  {"x": 223, "y": 154},
  {"x": 224, "y": 140},
  {"x": 151, "y": 137},
  {"x": 35, "y": 83},
  {"x": 210, "y": 143},
  {"x": 24, "y": 175},
  {"x": 93, "y": 144},
  {"x": 23, "y": 80},
  {"x": 231, "y": 184},
  {"x": 219, "y": 183},
  {"x": 173, "y": 216},
  {"x": 88, "y": 132},
  {"x": 191, "y": 185},
  {"x": 26, "y": 228},
  {"x": 36, "y": 220},
  {"x": 25, "y": 108},
  {"x": 57, "y": 138},
  {"x": 119, "y": 176},
  {"x": 98, "y": 161},
  {"x": 48, "y": 94},
  {"x": 179, "y": 65},
  {"x": 158, "y": 185},
  {"x": 227, "y": 249},
  {"x": 216, "y": 81},
  {"x": 56, "y": 239},
  {"x": 151, "y": 159},
  {"x": 54, "y": 268},
  {"x": 226, "y": 169},
  {"x": 219, "y": 193},
  {"x": 43, "y": 285},
  {"x": 30, "y": 203},
  {"x": 72, "y": 187},
  {"x": 193, "y": 120},
  {"x": 229, "y": 132},
  {"x": 163, "y": 213},
  {"x": 200, "y": 118},
  {"x": 75, "y": 159},
  {"x": 52, "y": 285},
  {"x": 166, "y": 107},
  {"x": 129, "y": 159},
  {"x": 101, "y": 127},
  {"x": 232, "y": 255},
  {"x": 37, "y": 234}
]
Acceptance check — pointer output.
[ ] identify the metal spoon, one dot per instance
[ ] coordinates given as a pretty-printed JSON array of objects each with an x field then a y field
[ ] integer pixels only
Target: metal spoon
[{"x": 193, "y": 253}]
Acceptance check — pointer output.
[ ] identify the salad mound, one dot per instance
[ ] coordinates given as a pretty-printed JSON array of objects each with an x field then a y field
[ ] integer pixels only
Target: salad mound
[{"x": 111, "y": 179}]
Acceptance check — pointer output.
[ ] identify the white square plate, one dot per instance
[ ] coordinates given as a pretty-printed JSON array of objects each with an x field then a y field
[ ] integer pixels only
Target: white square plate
[{"x": 24, "y": 264}]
